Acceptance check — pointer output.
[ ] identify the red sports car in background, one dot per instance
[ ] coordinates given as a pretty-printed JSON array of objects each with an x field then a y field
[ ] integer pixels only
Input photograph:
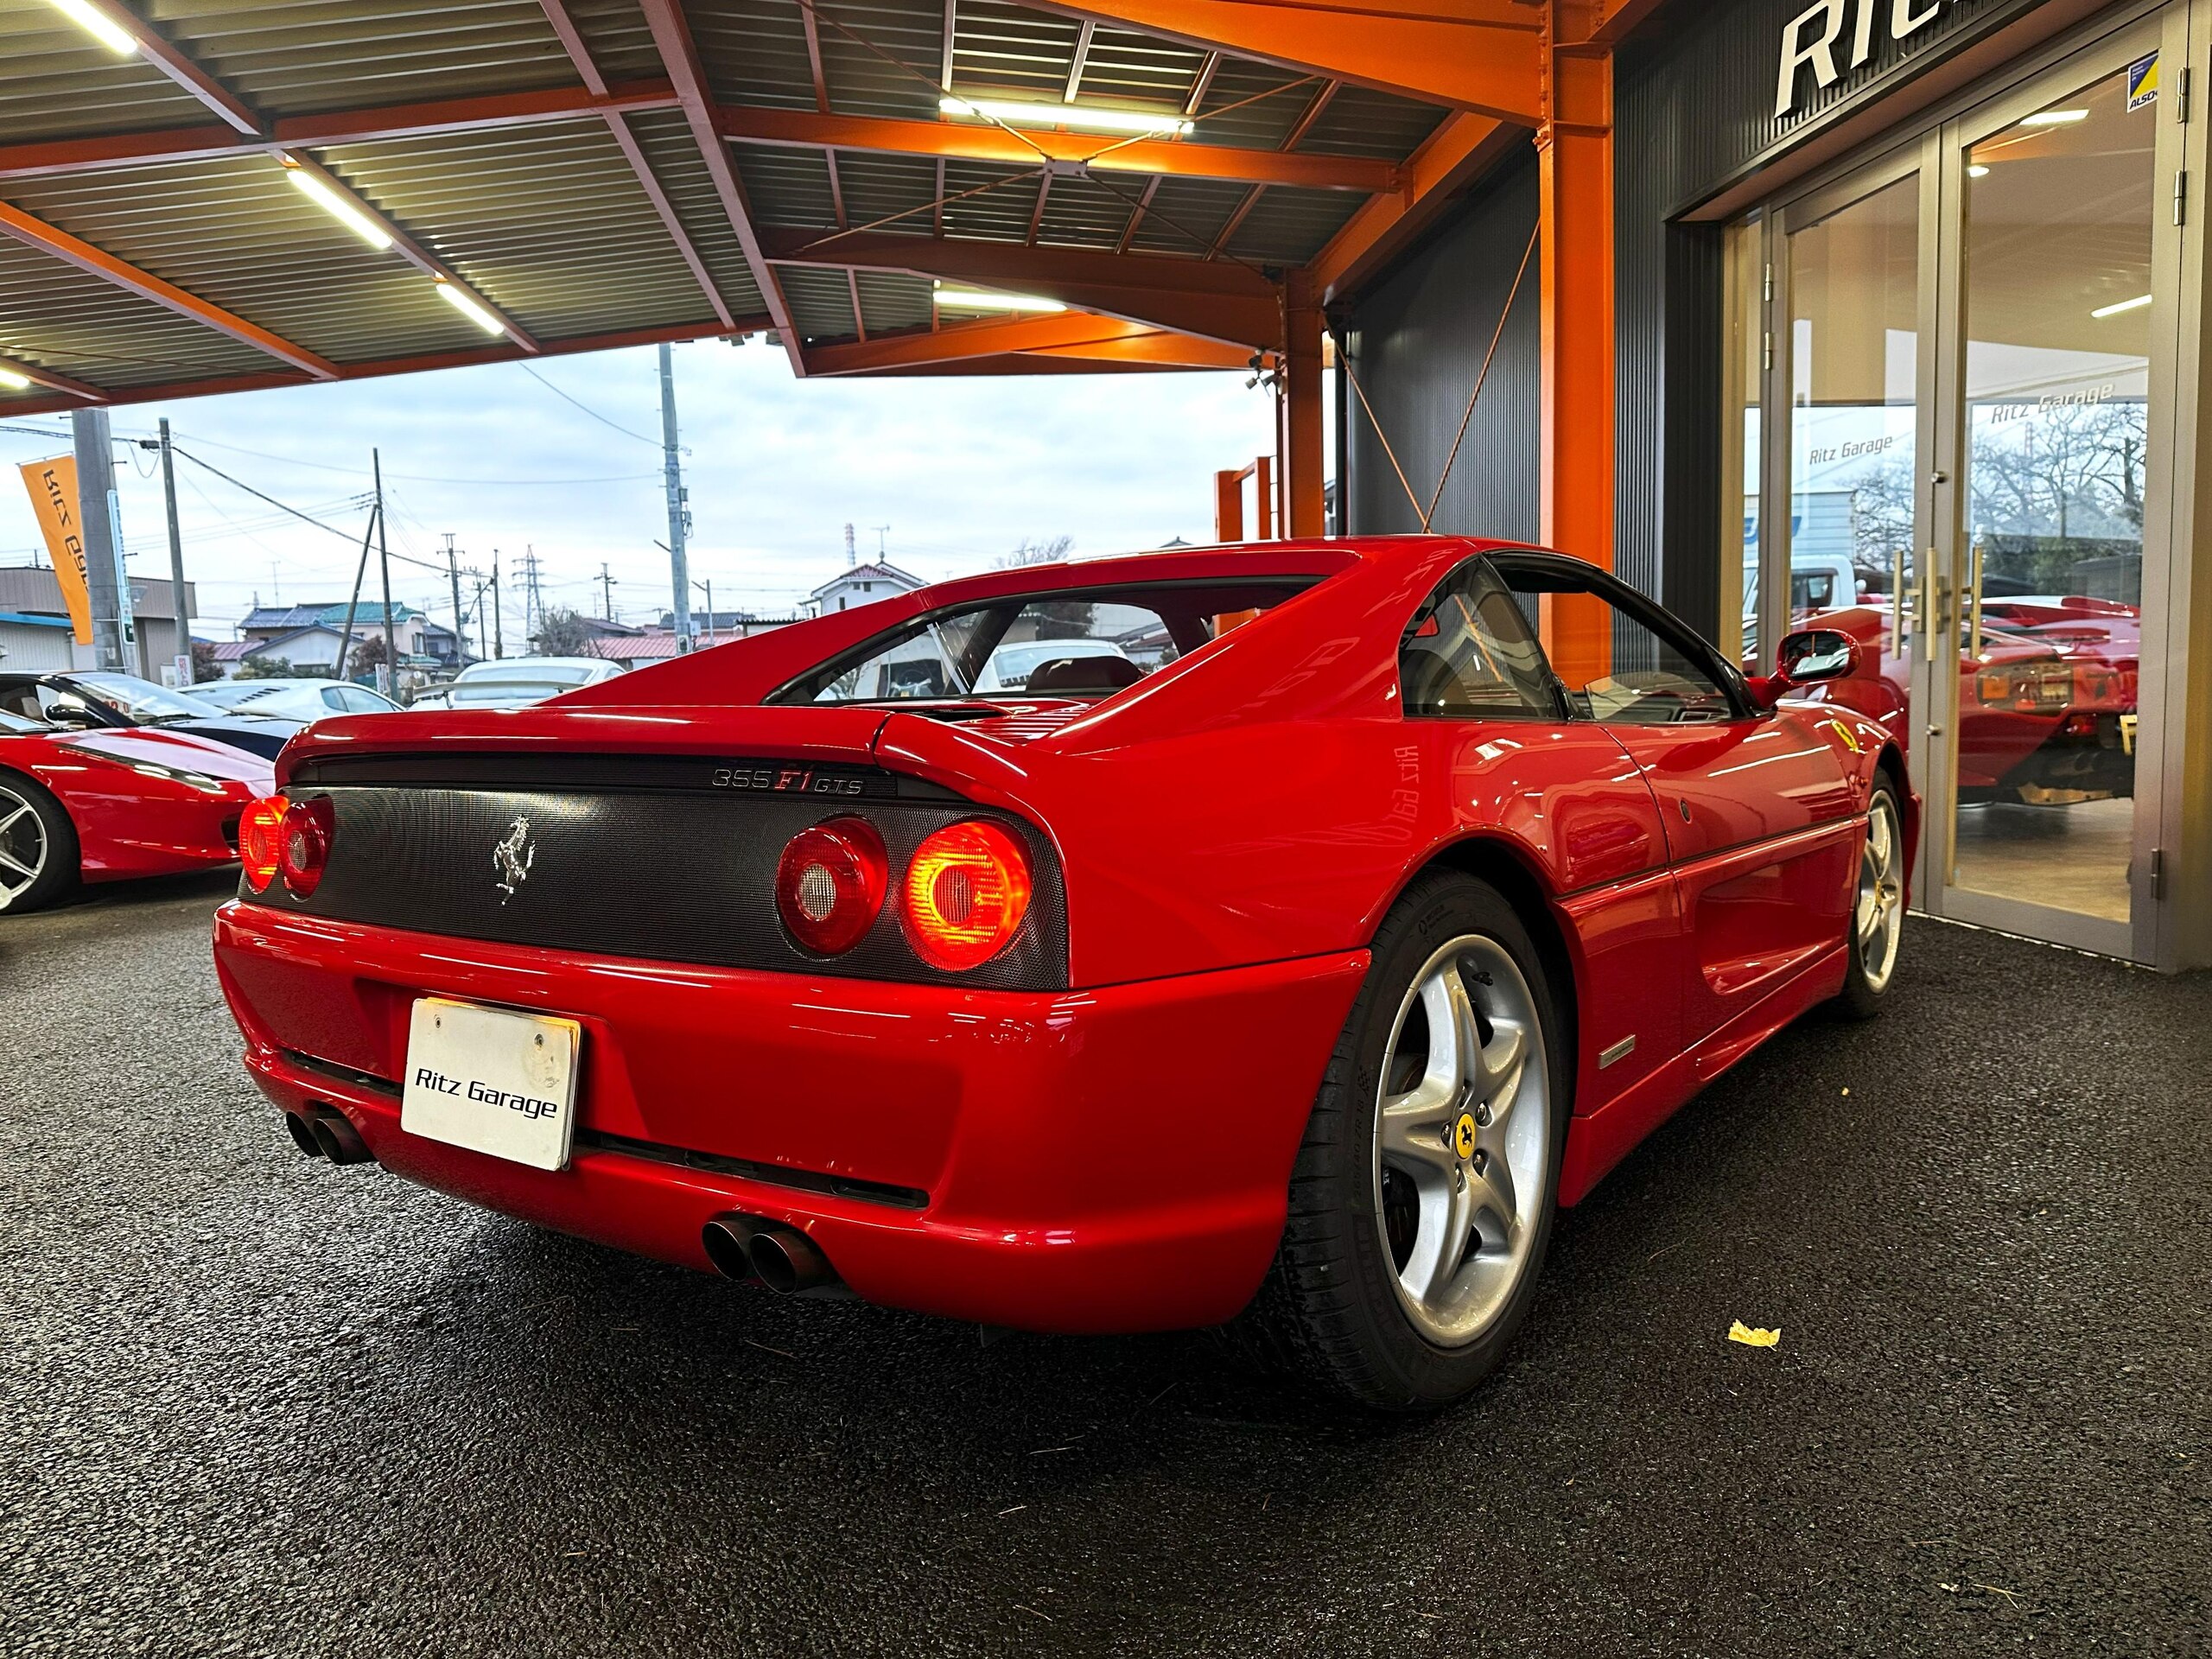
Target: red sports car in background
[
  {"x": 1286, "y": 964},
  {"x": 102, "y": 805},
  {"x": 2046, "y": 710}
]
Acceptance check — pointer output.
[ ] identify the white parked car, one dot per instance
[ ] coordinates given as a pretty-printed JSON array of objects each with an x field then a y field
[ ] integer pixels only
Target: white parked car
[
  {"x": 294, "y": 699},
  {"x": 1011, "y": 666},
  {"x": 516, "y": 682}
]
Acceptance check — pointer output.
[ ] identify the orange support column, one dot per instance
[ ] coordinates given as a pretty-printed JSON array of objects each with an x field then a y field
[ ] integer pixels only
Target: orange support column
[
  {"x": 1574, "y": 146},
  {"x": 1266, "y": 525},
  {"x": 1303, "y": 487},
  {"x": 1228, "y": 506}
]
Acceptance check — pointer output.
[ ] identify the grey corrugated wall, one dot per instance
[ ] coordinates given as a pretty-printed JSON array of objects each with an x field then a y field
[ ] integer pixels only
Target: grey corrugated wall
[{"x": 1417, "y": 341}]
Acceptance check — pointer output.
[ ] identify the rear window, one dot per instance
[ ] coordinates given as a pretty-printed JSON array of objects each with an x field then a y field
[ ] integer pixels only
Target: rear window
[{"x": 1069, "y": 643}]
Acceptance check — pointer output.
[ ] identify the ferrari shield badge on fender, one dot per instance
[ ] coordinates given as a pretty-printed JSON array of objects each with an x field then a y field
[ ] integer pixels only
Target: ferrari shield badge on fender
[{"x": 512, "y": 858}]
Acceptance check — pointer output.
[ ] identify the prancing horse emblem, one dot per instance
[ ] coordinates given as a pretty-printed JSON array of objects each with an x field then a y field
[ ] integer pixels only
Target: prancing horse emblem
[{"x": 512, "y": 858}]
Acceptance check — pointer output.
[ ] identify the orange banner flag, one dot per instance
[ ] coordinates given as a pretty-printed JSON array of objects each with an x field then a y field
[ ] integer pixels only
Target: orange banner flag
[{"x": 53, "y": 485}]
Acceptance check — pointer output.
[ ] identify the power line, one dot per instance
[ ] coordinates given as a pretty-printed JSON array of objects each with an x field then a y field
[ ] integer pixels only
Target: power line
[{"x": 586, "y": 408}]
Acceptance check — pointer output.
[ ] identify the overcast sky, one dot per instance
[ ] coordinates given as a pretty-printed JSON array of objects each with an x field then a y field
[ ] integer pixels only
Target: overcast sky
[{"x": 961, "y": 469}]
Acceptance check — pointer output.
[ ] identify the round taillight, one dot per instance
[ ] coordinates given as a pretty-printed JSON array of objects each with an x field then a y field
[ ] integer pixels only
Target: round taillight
[
  {"x": 967, "y": 891},
  {"x": 304, "y": 843},
  {"x": 829, "y": 884},
  {"x": 261, "y": 841}
]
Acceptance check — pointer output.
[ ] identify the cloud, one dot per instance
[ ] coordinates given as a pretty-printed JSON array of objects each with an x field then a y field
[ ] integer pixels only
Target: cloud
[{"x": 961, "y": 469}]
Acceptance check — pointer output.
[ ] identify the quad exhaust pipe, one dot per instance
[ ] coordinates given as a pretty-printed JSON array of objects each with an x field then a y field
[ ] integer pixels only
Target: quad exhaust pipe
[
  {"x": 782, "y": 1258},
  {"x": 325, "y": 1132}
]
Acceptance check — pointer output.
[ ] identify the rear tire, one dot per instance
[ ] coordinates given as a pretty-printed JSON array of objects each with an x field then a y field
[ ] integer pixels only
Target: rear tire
[
  {"x": 1421, "y": 1203},
  {"x": 38, "y": 846},
  {"x": 1878, "y": 907}
]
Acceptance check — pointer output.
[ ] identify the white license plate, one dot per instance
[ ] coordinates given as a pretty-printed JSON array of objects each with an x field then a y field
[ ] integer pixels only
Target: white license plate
[{"x": 492, "y": 1080}]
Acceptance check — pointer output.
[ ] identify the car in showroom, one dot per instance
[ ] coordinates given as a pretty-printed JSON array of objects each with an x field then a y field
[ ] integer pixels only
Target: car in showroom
[
  {"x": 303, "y": 700},
  {"x": 107, "y": 806},
  {"x": 100, "y": 700},
  {"x": 1290, "y": 986}
]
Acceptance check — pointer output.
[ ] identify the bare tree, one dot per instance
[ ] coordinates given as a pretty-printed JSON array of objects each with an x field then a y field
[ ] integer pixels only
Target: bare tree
[
  {"x": 562, "y": 633},
  {"x": 1043, "y": 552}
]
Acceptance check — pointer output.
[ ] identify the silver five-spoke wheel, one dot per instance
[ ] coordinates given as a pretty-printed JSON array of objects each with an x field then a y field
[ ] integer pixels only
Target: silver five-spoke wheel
[
  {"x": 1880, "y": 916},
  {"x": 1462, "y": 1129},
  {"x": 23, "y": 846}
]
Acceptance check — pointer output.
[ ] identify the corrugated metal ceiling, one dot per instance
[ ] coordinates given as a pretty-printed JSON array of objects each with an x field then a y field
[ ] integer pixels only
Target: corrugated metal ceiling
[{"x": 547, "y": 220}]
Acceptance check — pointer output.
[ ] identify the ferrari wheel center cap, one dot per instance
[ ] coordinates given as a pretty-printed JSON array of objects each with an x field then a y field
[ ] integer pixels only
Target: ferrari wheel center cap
[{"x": 1463, "y": 1135}]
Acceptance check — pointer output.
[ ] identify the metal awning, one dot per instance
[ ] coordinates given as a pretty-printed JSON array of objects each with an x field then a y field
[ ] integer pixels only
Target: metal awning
[{"x": 587, "y": 173}]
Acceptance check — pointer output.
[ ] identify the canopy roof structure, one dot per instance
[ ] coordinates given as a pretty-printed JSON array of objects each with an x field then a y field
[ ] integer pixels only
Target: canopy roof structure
[{"x": 218, "y": 196}]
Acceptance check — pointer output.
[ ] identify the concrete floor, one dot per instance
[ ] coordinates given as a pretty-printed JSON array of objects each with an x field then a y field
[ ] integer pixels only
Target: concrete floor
[
  {"x": 2071, "y": 858},
  {"x": 251, "y": 1404}
]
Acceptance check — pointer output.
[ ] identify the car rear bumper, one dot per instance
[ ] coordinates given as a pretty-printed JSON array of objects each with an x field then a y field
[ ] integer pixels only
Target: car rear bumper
[{"x": 1090, "y": 1160}]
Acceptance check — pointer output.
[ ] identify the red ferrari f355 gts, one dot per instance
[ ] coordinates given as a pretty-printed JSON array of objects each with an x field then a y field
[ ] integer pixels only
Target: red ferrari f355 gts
[{"x": 1272, "y": 936}]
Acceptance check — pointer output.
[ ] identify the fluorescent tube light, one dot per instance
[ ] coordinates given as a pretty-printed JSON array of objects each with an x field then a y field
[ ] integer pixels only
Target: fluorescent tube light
[
  {"x": 1134, "y": 121},
  {"x": 15, "y": 382},
  {"x": 98, "y": 24},
  {"x": 465, "y": 302},
  {"x": 339, "y": 208},
  {"x": 2054, "y": 117},
  {"x": 2135, "y": 304},
  {"x": 978, "y": 299}
]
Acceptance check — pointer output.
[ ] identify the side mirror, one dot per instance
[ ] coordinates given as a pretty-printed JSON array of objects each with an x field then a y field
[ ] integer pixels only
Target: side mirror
[
  {"x": 1814, "y": 654},
  {"x": 67, "y": 711},
  {"x": 1808, "y": 656}
]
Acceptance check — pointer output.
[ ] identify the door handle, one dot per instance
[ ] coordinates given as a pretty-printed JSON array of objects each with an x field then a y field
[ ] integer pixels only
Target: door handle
[
  {"x": 1975, "y": 599},
  {"x": 1943, "y": 604}
]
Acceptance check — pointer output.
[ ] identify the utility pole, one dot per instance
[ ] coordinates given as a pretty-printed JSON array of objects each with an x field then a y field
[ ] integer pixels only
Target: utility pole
[
  {"x": 678, "y": 517},
  {"x": 709, "y": 585},
  {"x": 533, "y": 600},
  {"x": 390, "y": 675},
  {"x": 483, "y": 640},
  {"x": 607, "y": 592},
  {"x": 176, "y": 563},
  {"x": 107, "y": 585},
  {"x": 499, "y": 641},
  {"x": 459, "y": 625}
]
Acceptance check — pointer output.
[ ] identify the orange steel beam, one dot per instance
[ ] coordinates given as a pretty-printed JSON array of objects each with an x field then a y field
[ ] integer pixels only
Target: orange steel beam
[
  {"x": 61, "y": 383},
  {"x": 1014, "y": 345},
  {"x": 49, "y": 238},
  {"x": 502, "y": 353},
  {"x": 1229, "y": 505},
  {"x": 1220, "y": 301},
  {"x": 679, "y": 54},
  {"x": 1303, "y": 485},
  {"x": 1160, "y": 348},
  {"x": 572, "y": 42},
  {"x": 1574, "y": 148},
  {"x": 173, "y": 61},
  {"x": 102, "y": 150},
  {"x": 1471, "y": 55},
  {"x": 1460, "y": 151},
  {"x": 965, "y": 142}
]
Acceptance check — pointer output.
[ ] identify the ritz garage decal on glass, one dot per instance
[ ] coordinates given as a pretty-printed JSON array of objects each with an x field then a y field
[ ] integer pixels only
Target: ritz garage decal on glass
[{"x": 1836, "y": 36}]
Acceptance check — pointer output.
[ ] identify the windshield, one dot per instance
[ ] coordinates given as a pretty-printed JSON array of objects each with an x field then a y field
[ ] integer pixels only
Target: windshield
[
  {"x": 233, "y": 693},
  {"x": 141, "y": 701},
  {"x": 1063, "y": 643}
]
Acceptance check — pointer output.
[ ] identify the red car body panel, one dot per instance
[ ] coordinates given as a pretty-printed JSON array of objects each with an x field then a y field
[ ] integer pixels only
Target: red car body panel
[
  {"x": 130, "y": 819},
  {"x": 1230, "y": 832}
]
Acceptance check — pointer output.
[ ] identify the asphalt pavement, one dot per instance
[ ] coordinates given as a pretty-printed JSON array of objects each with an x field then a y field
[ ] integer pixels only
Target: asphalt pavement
[{"x": 253, "y": 1404}]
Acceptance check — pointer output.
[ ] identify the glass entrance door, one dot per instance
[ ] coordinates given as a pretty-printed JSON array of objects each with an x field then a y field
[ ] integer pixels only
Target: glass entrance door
[
  {"x": 1967, "y": 350},
  {"x": 2058, "y": 302}
]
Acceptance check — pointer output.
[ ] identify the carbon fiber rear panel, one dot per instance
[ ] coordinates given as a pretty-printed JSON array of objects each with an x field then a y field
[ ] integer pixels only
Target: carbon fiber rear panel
[{"x": 671, "y": 869}]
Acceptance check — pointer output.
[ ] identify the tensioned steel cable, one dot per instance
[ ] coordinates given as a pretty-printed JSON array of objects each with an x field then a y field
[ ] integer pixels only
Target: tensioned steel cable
[
  {"x": 1496, "y": 334},
  {"x": 1427, "y": 515}
]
